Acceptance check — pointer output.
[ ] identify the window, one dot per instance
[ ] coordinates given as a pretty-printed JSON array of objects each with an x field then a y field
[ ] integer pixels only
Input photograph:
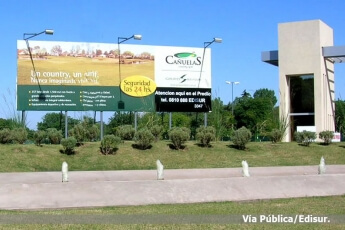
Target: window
[{"x": 301, "y": 101}]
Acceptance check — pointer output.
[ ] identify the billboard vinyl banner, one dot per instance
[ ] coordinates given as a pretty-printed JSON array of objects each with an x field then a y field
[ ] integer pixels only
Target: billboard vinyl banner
[{"x": 75, "y": 76}]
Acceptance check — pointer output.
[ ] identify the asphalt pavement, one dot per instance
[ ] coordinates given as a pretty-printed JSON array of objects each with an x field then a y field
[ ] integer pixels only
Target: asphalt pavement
[{"x": 45, "y": 190}]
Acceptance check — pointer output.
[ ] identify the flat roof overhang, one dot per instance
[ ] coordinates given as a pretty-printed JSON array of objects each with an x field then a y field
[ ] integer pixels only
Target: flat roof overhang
[
  {"x": 335, "y": 53},
  {"x": 270, "y": 57}
]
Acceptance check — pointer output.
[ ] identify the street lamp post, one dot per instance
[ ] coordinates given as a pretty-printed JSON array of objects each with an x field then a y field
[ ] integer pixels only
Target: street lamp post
[
  {"x": 121, "y": 104},
  {"x": 26, "y": 37},
  {"x": 232, "y": 93},
  {"x": 206, "y": 44}
]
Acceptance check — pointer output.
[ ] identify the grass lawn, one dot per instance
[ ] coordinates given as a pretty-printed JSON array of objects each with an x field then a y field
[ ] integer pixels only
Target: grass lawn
[
  {"x": 30, "y": 158},
  {"x": 316, "y": 206}
]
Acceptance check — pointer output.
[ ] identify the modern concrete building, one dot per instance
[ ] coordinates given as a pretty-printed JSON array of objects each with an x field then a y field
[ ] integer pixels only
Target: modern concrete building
[{"x": 306, "y": 58}]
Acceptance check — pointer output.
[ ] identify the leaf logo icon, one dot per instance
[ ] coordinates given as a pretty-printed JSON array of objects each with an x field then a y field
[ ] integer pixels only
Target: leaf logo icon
[{"x": 184, "y": 55}]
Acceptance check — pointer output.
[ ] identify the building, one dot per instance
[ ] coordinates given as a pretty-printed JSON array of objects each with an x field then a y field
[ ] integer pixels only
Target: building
[{"x": 306, "y": 58}]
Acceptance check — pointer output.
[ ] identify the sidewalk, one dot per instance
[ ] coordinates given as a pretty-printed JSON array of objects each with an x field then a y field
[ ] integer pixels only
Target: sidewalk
[{"x": 44, "y": 190}]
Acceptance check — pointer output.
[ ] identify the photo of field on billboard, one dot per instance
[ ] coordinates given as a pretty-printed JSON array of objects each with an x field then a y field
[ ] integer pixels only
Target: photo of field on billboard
[{"x": 76, "y": 76}]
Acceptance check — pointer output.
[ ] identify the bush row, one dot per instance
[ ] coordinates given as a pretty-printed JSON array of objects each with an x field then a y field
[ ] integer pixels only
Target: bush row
[
  {"x": 307, "y": 137},
  {"x": 145, "y": 137}
]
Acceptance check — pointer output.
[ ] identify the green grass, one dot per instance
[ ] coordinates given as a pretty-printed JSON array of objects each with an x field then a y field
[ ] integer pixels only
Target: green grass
[
  {"x": 316, "y": 206},
  {"x": 31, "y": 158},
  {"x": 28, "y": 158}
]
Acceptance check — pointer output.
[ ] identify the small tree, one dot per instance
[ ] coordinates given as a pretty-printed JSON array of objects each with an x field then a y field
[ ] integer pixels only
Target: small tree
[
  {"x": 39, "y": 136},
  {"x": 276, "y": 135},
  {"x": 179, "y": 136},
  {"x": 54, "y": 135},
  {"x": 125, "y": 132},
  {"x": 19, "y": 135},
  {"x": 5, "y": 136},
  {"x": 241, "y": 137},
  {"x": 305, "y": 137},
  {"x": 93, "y": 132},
  {"x": 68, "y": 144},
  {"x": 79, "y": 132},
  {"x": 109, "y": 144},
  {"x": 143, "y": 138},
  {"x": 157, "y": 131},
  {"x": 205, "y": 135},
  {"x": 326, "y": 136}
]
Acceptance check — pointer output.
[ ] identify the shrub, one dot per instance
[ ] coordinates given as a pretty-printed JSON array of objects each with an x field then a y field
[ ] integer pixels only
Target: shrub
[
  {"x": 276, "y": 135},
  {"x": 54, "y": 135},
  {"x": 179, "y": 136},
  {"x": 39, "y": 136},
  {"x": 305, "y": 137},
  {"x": 157, "y": 131},
  {"x": 241, "y": 137},
  {"x": 5, "y": 136},
  {"x": 79, "y": 132},
  {"x": 326, "y": 136},
  {"x": 19, "y": 135},
  {"x": 143, "y": 138},
  {"x": 109, "y": 144},
  {"x": 125, "y": 132},
  {"x": 93, "y": 133},
  {"x": 68, "y": 144},
  {"x": 281, "y": 125},
  {"x": 205, "y": 135}
]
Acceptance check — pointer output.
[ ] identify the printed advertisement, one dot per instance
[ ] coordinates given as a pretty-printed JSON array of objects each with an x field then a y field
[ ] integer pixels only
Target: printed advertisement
[{"x": 74, "y": 76}]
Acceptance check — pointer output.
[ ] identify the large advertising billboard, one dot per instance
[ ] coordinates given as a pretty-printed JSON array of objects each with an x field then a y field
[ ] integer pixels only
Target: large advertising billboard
[{"x": 75, "y": 76}]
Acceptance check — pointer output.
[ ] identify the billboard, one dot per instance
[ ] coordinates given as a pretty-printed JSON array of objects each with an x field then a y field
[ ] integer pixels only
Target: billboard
[{"x": 76, "y": 76}]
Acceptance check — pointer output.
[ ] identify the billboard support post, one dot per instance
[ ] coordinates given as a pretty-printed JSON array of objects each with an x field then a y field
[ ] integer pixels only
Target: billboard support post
[
  {"x": 66, "y": 124},
  {"x": 101, "y": 120},
  {"x": 23, "y": 118},
  {"x": 135, "y": 120},
  {"x": 205, "y": 119}
]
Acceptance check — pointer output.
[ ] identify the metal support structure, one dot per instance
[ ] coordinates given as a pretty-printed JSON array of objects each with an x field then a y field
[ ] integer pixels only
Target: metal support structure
[
  {"x": 170, "y": 120},
  {"x": 121, "y": 104},
  {"x": 66, "y": 124},
  {"x": 232, "y": 93},
  {"x": 26, "y": 37},
  {"x": 135, "y": 120},
  {"x": 23, "y": 118},
  {"x": 101, "y": 121},
  {"x": 206, "y": 44},
  {"x": 205, "y": 119}
]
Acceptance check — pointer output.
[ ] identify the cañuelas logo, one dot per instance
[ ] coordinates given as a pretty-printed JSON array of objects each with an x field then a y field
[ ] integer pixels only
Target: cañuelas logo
[{"x": 183, "y": 59}]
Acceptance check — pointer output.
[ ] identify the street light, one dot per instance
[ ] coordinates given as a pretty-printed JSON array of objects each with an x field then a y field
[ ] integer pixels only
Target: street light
[
  {"x": 232, "y": 93},
  {"x": 49, "y": 32},
  {"x": 26, "y": 37},
  {"x": 121, "y": 104},
  {"x": 206, "y": 44}
]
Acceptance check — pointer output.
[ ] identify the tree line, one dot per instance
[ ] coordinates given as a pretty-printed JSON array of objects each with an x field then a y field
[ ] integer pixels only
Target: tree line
[{"x": 257, "y": 112}]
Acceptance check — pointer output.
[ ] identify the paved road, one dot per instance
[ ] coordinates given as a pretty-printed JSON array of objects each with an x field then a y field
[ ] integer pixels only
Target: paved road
[{"x": 44, "y": 190}]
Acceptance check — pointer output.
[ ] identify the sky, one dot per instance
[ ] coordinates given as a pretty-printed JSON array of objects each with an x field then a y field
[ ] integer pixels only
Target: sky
[{"x": 246, "y": 27}]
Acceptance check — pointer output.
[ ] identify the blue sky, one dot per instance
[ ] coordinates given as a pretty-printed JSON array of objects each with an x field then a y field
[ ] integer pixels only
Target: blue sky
[{"x": 246, "y": 27}]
